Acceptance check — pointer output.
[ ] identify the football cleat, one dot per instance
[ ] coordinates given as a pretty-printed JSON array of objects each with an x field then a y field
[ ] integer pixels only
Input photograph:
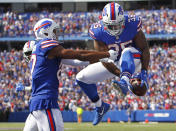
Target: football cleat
[
  {"x": 100, "y": 112},
  {"x": 121, "y": 86}
]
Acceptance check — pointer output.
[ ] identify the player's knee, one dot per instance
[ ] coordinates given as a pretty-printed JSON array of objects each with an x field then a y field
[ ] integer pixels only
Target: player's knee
[{"x": 80, "y": 76}]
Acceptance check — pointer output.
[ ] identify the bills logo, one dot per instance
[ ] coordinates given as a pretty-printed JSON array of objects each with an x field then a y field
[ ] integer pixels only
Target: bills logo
[
  {"x": 120, "y": 11},
  {"x": 104, "y": 12},
  {"x": 44, "y": 25}
]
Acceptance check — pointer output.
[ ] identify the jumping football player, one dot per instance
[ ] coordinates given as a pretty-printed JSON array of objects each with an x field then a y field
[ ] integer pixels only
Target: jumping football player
[
  {"x": 44, "y": 65},
  {"x": 123, "y": 34}
]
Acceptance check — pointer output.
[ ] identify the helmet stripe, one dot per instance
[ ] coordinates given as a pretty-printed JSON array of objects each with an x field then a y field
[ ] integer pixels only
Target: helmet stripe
[
  {"x": 28, "y": 44},
  {"x": 112, "y": 11},
  {"x": 41, "y": 26}
]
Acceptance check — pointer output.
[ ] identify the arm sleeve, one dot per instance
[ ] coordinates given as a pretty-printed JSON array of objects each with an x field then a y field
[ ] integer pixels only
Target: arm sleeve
[
  {"x": 75, "y": 62},
  {"x": 45, "y": 46}
]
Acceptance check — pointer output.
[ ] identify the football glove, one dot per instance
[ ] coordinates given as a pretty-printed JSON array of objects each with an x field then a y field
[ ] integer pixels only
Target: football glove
[
  {"x": 19, "y": 87},
  {"x": 143, "y": 77},
  {"x": 113, "y": 54}
]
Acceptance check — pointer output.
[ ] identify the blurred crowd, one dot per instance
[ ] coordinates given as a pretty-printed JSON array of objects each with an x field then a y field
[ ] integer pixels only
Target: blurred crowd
[
  {"x": 161, "y": 95},
  {"x": 12, "y": 24}
]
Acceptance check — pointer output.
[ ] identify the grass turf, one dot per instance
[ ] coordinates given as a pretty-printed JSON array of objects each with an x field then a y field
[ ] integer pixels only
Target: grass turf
[{"x": 101, "y": 127}]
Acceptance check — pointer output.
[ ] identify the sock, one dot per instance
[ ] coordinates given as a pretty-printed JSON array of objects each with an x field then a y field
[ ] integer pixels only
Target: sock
[
  {"x": 90, "y": 90},
  {"x": 98, "y": 103}
]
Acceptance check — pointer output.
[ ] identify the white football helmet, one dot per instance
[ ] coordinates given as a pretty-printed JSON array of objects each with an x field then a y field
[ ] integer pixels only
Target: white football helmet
[
  {"x": 46, "y": 28},
  {"x": 27, "y": 50},
  {"x": 113, "y": 18}
]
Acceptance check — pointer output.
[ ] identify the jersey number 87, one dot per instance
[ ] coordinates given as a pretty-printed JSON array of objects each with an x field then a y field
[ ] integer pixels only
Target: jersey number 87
[{"x": 33, "y": 60}]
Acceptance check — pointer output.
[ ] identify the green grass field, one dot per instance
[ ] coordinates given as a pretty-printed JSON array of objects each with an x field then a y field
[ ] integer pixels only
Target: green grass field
[{"x": 101, "y": 127}]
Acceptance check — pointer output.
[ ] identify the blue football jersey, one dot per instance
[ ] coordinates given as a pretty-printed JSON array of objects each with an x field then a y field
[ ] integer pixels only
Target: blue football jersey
[
  {"x": 133, "y": 24},
  {"x": 44, "y": 76}
]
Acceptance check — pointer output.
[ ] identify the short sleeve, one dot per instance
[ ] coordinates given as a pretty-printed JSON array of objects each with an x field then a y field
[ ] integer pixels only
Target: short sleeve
[
  {"x": 95, "y": 31},
  {"x": 47, "y": 45}
]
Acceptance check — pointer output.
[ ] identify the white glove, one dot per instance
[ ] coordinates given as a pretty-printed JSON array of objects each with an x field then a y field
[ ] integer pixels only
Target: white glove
[
  {"x": 113, "y": 54},
  {"x": 106, "y": 60}
]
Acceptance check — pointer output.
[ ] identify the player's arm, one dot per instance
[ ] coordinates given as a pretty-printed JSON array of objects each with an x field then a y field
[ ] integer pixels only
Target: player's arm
[
  {"x": 142, "y": 44},
  {"x": 21, "y": 87},
  {"x": 100, "y": 46},
  {"x": 59, "y": 51},
  {"x": 75, "y": 62}
]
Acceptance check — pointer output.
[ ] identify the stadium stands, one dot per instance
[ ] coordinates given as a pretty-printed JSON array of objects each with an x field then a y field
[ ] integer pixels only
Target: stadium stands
[
  {"x": 162, "y": 73},
  {"x": 161, "y": 95},
  {"x": 77, "y": 24}
]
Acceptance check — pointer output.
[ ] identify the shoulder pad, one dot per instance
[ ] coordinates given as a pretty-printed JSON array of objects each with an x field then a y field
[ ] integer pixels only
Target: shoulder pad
[
  {"x": 135, "y": 22},
  {"x": 48, "y": 43},
  {"x": 95, "y": 31},
  {"x": 45, "y": 45}
]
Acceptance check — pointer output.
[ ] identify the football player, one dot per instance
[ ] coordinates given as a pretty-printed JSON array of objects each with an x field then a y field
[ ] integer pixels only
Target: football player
[
  {"x": 123, "y": 34},
  {"x": 45, "y": 60},
  {"x": 27, "y": 51}
]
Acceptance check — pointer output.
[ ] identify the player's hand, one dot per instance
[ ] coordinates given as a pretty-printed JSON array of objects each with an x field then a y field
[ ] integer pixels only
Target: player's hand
[
  {"x": 143, "y": 77},
  {"x": 113, "y": 54},
  {"x": 19, "y": 87}
]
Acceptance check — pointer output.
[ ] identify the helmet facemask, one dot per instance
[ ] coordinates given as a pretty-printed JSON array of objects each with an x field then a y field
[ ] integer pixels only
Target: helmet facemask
[
  {"x": 56, "y": 33},
  {"x": 27, "y": 56},
  {"x": 114, "y": 28},
  {"x": 27, "y": 50}
]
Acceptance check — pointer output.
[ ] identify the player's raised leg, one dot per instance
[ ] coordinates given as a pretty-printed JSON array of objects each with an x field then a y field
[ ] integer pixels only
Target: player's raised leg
[
  {"x": 86, "y": 79},
  {"x": 129, "y": 63}
]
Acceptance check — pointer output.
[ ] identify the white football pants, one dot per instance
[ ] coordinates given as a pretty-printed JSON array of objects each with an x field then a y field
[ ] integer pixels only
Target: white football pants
[
  {"x": 97, "y": 72},
  {"x": 44, "y": 120}
]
